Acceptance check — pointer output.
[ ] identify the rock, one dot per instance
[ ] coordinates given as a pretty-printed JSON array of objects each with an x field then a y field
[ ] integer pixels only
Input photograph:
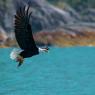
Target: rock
[
  {"x": 3, "y": 35},
  {"x": 61, "y": 38},
  {"x": 47, "y": 16}
]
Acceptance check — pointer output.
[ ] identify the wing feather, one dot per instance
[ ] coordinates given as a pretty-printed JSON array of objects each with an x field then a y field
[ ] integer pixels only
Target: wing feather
[{"x": 23, "y": 31}]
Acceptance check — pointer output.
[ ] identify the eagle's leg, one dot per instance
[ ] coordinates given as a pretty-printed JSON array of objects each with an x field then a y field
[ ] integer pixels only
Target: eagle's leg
[{"x": 20, "y": 59}]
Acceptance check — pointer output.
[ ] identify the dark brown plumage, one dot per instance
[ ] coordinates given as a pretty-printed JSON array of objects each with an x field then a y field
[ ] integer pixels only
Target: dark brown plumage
[{"x": 23, "y": 33}]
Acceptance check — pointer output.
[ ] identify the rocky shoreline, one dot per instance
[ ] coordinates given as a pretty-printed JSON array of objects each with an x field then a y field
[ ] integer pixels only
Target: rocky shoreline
[
  {"x": 56, "y": 38},
  {"x": 63, "y": 39},
  {"x": 75, "y": 22}
]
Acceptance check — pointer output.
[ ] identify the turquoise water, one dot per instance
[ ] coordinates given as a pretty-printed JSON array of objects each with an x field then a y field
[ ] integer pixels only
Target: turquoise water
[{"x": 62, "y": 71}]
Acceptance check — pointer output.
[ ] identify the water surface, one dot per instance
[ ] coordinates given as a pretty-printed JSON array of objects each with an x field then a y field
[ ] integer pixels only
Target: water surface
[{"x": 62, "y": 71}]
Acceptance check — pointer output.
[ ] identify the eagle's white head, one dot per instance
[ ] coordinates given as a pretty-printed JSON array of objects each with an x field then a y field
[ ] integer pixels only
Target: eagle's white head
[{"x": 43, "y": 49}]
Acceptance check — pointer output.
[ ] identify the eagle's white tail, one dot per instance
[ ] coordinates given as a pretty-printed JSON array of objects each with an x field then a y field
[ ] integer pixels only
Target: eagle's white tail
[{"x": 14, "y": 54}]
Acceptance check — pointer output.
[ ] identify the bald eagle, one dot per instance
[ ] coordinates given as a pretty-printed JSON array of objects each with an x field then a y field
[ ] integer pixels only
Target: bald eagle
[{"x": 24, "y": 37}]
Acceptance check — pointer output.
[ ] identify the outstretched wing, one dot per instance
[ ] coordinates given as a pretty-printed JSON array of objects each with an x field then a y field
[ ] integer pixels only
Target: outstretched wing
[{"x": 23, "y": 31}]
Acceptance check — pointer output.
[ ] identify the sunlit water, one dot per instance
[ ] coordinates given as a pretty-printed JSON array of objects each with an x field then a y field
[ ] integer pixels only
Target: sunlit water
[{"x": 61, "y": 71}]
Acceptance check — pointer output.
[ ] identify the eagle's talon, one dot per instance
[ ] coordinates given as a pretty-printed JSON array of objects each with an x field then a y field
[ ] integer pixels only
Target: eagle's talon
[{"x": 20, "y": 59}]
